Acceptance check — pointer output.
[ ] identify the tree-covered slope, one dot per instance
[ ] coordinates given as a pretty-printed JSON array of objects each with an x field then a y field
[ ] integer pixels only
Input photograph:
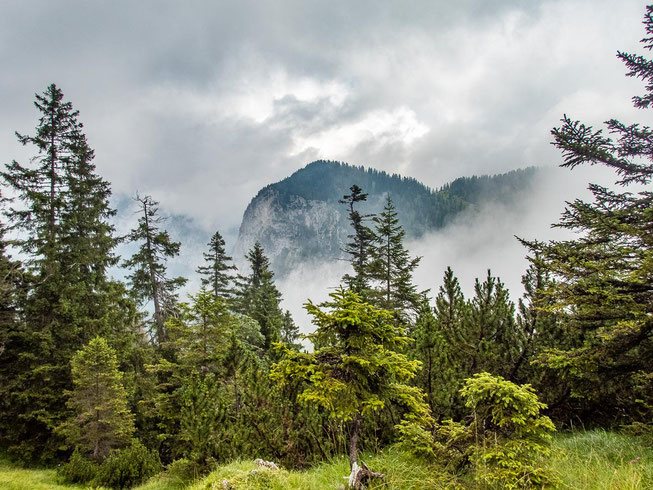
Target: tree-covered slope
[{"x": 299, "y": 218}]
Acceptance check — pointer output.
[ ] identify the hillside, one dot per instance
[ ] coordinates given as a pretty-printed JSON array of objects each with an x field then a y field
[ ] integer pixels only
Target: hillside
[{"x": 299, "y": 218}]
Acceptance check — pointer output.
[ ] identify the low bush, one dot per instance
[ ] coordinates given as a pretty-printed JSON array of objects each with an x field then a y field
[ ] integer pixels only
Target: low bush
[
  {"x": 510, "y": 435},
  {"x": 126, "y": 468},
  {"x": 78, "y": 469}
]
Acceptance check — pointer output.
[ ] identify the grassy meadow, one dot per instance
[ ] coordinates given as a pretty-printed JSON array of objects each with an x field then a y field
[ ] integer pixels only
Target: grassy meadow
[{"x": 581, "y": 460}]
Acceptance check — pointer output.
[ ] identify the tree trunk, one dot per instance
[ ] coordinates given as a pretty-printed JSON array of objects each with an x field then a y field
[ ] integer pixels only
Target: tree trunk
[
  {"x": 356, "y": 429},
  {"x": 158, "y": 317}
]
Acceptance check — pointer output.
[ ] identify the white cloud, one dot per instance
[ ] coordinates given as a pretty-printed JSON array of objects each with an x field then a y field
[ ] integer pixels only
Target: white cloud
[{"x": 379, "y": 127}]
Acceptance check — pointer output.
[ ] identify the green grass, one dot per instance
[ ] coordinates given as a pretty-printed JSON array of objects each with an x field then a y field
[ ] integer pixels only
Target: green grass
[
  {"x": 601, "y": 460},
  {"x": 581, "y": 460},
  {"x": 401, "y": 470},
  {"x": 15, "y": 478}
]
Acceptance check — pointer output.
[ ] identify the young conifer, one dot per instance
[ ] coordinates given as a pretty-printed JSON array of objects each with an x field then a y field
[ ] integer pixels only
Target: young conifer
[
  {"x": 259, "y": 297},
  {"x": 101, "y": 421},
  {"x": 357, "y": 368}
]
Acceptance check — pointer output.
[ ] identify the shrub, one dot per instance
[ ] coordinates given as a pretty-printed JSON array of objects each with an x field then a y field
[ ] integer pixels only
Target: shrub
[
  {"x": 78, "y": 469},
  {"x": 126, "y": 468},
  {"x": 510, "y": 434}
]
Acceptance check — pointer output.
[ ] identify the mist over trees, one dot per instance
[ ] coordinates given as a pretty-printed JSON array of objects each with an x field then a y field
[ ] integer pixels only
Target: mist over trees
[{"x": 103, "y": 376}]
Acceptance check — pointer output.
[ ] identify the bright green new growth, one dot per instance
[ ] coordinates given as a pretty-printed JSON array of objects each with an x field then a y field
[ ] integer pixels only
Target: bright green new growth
[
  {"x": 356, "y": 368},
  {"x": 509, "y": 432},
  {"x": 102, "y": 420}
]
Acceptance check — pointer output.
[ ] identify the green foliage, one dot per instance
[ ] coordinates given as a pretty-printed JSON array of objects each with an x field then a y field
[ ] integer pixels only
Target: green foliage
[
  {"x": 258, "y": 296},
  {"x": 510, "y": 434},
  {"x": 149, "y": 279},
  {"x": 459, "y": 338},
  {"x": 199, "y": 332},
  {"x": 493, "y": 340},
  {"x": 603, "y": 276},
  {"x": 202, "y": 419},
  {"x": 503, "y": 443},
  {"x": 126, "y": 468},
  {"x": 215, "y": 272},
  {"x": 454, "y": 444},
  {"x": 443, "y": 346},
  {"x": 181, "y": 472},
  {"x": 359, "y": 248},
  {"x": 101, "y": 419},
  {"x": 290, "y": 332},
  {"x": 62, "y": 214},
  {"x": 357, "y": 368},
  {"x": 78, "y": 469},
  {"x": 391, "y": 267}
]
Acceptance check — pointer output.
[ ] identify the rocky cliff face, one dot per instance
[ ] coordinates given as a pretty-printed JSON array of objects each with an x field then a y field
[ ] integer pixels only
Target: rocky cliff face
[
  {"x": 291, "y": 229},
  {"x": 299, "y": 220}
]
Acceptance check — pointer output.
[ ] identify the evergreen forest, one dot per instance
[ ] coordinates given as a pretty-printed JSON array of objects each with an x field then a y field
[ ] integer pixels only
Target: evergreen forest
[{"x": 116, "y": 382}]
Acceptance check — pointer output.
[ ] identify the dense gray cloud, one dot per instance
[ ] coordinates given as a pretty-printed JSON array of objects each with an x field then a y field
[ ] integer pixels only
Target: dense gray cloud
[{"x": 202, "y": 103}]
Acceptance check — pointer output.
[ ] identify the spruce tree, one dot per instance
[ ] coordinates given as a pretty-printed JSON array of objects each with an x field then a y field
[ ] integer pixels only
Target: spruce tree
[
  {"x": 360, "y": 245},
  {"x": 603, "y": 276},
  {"x": 149, "y": 279},
  {"x": 357, "y": 368},
  {"x": 216, "y": 271},
  {"x": 101, "y": 421},
  {"x": 259, "y": 297},
  {"x": 391, "y": 266},
  {"x": 290, "y": 332},
  {"x": 62, "y": 216},
  {"x": 492, "y": 334}
]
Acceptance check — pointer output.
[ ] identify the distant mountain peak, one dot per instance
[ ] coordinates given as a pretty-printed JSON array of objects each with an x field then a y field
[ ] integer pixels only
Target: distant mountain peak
[{"x": 299, "y": 219}]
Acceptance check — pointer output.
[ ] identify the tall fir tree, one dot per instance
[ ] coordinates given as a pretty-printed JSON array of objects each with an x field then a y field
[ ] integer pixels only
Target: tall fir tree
[
  {"x": 259, "y": 297},
  {"x": 391, "y": 266},
  {"x": 149, "y": 279},
  {"x": 359, "y": 248},
  {"x": 603, "y": 277},
  {"x": 216, "y": 271},
  {"x": 62, "y": 215}
]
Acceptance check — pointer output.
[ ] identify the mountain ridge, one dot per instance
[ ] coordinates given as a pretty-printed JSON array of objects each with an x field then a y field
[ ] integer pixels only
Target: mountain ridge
[{"x": 299, "y": 219}]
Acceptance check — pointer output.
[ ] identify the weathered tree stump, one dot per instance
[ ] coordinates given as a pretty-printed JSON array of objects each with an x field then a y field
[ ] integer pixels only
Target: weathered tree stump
[{"x": 361, "y": 475}]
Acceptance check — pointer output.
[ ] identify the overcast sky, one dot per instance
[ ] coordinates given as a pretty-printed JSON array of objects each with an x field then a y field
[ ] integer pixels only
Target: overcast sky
[{"x": 201, "y": 103}]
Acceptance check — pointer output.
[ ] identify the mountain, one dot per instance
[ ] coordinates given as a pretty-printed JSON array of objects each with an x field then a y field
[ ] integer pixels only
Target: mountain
[{"x": 299, "y": 219}]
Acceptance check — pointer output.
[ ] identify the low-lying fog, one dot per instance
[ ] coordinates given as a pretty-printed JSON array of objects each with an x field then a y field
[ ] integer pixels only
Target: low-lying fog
[{"x": 474, "y": 242}]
